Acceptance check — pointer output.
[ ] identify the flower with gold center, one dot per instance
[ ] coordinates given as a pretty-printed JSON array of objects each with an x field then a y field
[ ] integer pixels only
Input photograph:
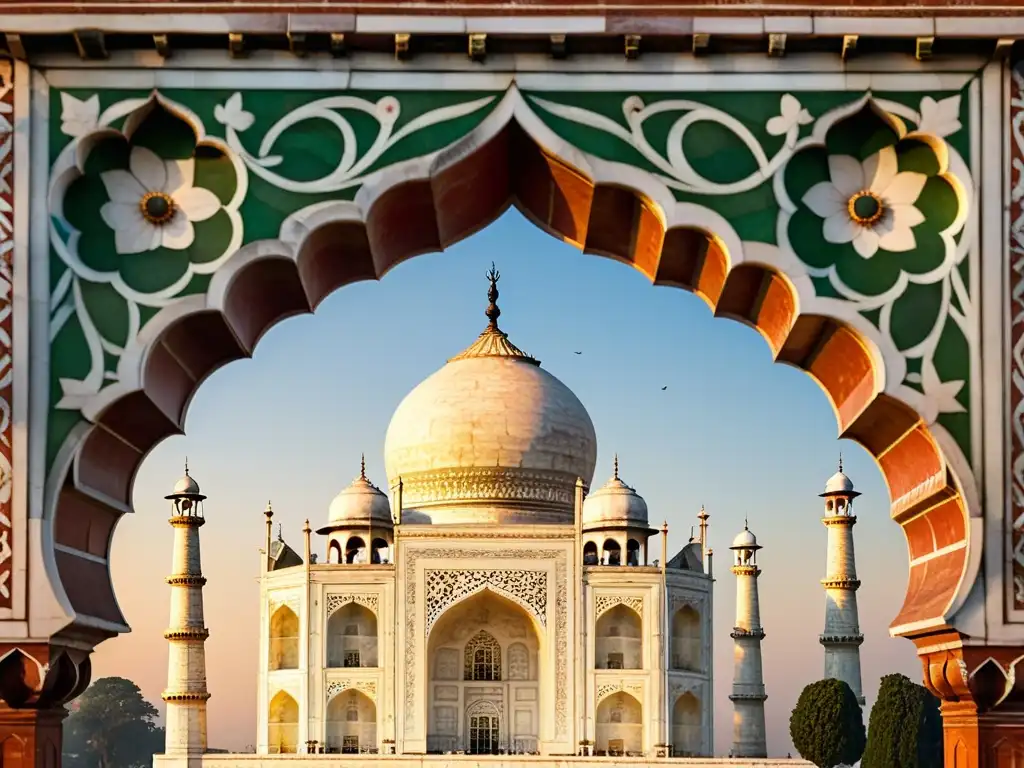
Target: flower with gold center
[
  {"x": 153, "y": 204},
  {"x": 869, "y": 204}
]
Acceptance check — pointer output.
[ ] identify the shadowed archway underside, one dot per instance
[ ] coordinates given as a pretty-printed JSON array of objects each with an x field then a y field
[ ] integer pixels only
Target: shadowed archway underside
[{"x": 428, "y": 215}]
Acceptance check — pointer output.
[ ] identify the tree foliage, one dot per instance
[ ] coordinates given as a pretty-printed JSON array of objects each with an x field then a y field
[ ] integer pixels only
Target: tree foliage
[
  {"x": 112, "y": 727},
  {"x": 905, "y": 728},
  {"x": 827, "y": 725}
]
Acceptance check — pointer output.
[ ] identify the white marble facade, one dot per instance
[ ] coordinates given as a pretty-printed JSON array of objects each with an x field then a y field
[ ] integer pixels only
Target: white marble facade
[{"x": 497, "y": 610}]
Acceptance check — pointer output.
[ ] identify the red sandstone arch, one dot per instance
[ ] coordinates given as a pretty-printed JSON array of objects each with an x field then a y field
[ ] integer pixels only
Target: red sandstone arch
[{"x": 458, "y": 197}]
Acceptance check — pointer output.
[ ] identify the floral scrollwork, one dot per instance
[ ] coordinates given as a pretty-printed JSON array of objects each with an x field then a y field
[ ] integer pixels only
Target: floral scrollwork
[{"x": 143, "y": 202}]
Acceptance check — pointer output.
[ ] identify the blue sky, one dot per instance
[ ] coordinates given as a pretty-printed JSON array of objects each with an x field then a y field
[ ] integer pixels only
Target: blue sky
[{"x": 732, "y": 431}]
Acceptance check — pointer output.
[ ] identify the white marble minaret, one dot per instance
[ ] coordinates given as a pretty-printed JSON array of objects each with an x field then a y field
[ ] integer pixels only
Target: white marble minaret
[
  {"x": 748, "y": 696},
  {"x": 841, "y": 638},
  {"x": 186, "y": 693}
]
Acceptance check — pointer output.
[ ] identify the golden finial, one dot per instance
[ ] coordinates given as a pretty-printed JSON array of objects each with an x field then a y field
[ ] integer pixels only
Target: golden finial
[
  {"x": 269, "y": 511},
  {"x": 306, "y": 528},
  {"x": 362, "y": 466},
  {"x": 186, "y": 466},
  {"x": 492, "y": 312},
  {"x": 280, "y": 535},
  {"x": 840, "y": 462},
  {"x": 616, "y": 470}
]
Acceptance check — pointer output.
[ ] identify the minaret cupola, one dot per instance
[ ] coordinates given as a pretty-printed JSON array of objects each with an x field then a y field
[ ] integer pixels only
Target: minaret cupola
[
  {"x": 359, "y": 519},
  {"x": 615, "y": 527}
]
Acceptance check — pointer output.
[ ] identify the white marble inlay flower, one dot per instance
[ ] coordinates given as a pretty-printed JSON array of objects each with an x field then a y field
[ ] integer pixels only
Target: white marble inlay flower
[
  {"x": 155, "y": 203},
  {"x": 869, "y": 204}
]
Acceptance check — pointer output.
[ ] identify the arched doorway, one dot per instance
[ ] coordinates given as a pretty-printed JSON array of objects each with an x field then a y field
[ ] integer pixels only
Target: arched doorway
[
  {"x": 484, "y": 670},
  {"x": 687, "y": 726},
  {"x": 351, "y": 725},
  {"x": 284, "y": 639},
  {"x": 352, "y": 638},
  {"x": 620, "y": 726},
  {"x": 283, "y": 725},
  {"x": 619, "y": 639}
]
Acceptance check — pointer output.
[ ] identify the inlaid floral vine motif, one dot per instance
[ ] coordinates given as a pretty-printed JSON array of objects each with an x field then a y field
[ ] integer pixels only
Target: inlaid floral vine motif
[
  {"x": 866, "y": 195},
  {"x": 6, "y": 328}
]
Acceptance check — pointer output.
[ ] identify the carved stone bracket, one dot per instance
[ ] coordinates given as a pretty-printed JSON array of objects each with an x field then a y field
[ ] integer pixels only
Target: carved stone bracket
[
  {"x": 634, "y": 689},
  {"x": 604, "y": 603},
  {"x": 368, "y": 687},
  {"x": 526, "y": 588},
  {"x": 334, "y": 602}
]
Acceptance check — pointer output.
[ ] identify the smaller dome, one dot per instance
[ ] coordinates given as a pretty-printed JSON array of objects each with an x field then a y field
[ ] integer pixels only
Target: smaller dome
[
  {"x": 745, "y": 540},
  {"x": 839, "y": 483},
  {"x": 186, "y": 485},
  {"x": 360, "y": 504},
  {"x": 615, "y": 503}
]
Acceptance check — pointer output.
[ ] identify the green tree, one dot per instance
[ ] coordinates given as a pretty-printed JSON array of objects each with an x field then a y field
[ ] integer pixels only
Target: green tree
[
  {"x": 905, "y": 728},
  {"x": 112, "y": 727},
  {"x": 827, "y": 725}
]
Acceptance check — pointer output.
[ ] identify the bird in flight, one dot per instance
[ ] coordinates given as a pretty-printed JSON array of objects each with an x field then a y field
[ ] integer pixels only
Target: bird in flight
[
  {"x": 577, "y": 353},
  {"x": 664, "y": 388}
]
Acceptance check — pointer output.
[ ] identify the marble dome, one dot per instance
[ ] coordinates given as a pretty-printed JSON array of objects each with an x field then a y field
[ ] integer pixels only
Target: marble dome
[
  {"x": 361, "y": 503},
  {"x": 745, "y": 539},
  {"x": 614, "y": 503},
  {"x": 839, "y": 484},
  {"x": 490, "y": 438}
]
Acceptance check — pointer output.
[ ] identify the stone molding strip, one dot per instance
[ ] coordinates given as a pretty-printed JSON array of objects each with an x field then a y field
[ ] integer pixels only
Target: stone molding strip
[
  {"x": 425, "y": 17},
  {"x": 485, "y": 484}
]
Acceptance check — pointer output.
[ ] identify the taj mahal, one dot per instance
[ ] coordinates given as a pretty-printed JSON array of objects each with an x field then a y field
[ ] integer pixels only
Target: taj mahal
[{"x": 491, "y": 603}]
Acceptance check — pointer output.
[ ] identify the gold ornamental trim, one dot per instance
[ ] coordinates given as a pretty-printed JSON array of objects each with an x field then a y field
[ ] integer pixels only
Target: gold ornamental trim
[
  {"x": 186, "y": 581},
  {"x": 181, "y": 697},
  {"x": 484, "y": 484},
  {"x": 839, "y": 520},
  {"x": 187, "y": 634},
  {"x": 746, "y": 570},
  {"x": 841, "y": 583},
  {"x": 186, "y": 521}
]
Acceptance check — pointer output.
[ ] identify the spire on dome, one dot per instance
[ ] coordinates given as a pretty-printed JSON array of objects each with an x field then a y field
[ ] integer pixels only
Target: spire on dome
[
  {"x": 840, "y": 462},
  {"x": 362, "y": 466},
  {"x": 616, "y": 470},
  {"x": 493, "y": 342}
]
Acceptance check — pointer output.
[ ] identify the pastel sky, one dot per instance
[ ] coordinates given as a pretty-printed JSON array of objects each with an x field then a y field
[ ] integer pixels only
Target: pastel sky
[{"x": 732, "y": 431}]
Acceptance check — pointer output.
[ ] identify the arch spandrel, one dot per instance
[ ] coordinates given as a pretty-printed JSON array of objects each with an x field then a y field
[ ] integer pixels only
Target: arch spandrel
[{"x": 747, "y": 236}]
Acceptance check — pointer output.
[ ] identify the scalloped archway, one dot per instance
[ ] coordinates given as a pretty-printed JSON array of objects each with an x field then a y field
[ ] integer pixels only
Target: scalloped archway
[{"x": 429, "y": 203}]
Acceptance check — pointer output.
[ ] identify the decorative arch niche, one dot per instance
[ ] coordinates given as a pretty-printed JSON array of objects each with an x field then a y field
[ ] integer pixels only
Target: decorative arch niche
[
  {"x": 660, "y": 216},
  {"x": 283, "y": 724}
]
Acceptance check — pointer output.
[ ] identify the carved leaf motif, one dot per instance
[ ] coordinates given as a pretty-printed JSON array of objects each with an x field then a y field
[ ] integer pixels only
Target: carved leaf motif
[
  {"x": 369, "y": 687},
  {"x": 603, "y": 603},
  {"x": 334, "y": 602},
  {"x": 527, "y": 588}
]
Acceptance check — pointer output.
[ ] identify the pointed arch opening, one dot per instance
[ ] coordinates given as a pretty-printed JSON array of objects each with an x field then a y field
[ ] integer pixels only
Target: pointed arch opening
[
  {"x": 619, "y": 639},
  {"x": 619, "y": 726},
  {"x": 598, "y": 208},
  {"x": 284, "y": 639},
  {"x": 484, "y": 653},
  {"x": 687, "y": 726},
  {"x": 351, "y": 726},
  {"x": 687, "y": 639},
  {"x": 352, "y": 637},
  {"x": 283, "y": 725}
]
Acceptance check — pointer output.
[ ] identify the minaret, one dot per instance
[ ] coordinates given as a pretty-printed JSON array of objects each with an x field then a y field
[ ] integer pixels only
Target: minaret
[
  {"x": 186, "y": 693},
  {"x": 842, "y": 638},
  {"x": 748, "y": 696}
]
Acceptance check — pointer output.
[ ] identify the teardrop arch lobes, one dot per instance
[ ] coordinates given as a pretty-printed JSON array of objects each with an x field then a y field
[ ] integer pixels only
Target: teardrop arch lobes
[{"x": 832, "y": 240}]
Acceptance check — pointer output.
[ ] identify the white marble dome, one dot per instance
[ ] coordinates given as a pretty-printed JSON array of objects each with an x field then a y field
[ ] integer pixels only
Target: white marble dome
[
  {"x": 361, "y": 503},
  {"x": 491, "y": 431},
  {"x": 614, "y": 503},
  {"x": 745, "y": 540},
  {"x": 838, "y": 483}
]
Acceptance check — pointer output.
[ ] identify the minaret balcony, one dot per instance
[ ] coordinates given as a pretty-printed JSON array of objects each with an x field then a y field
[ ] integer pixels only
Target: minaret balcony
[
  {"x": 738, "y": 632},
  {"x": 187, "y": 633},
  {"x": 748, "y": 696},
  {"x": 838, "y": 639},
  {"x": 841, "y": 583},
  {"x": 186, "y": 580}
]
